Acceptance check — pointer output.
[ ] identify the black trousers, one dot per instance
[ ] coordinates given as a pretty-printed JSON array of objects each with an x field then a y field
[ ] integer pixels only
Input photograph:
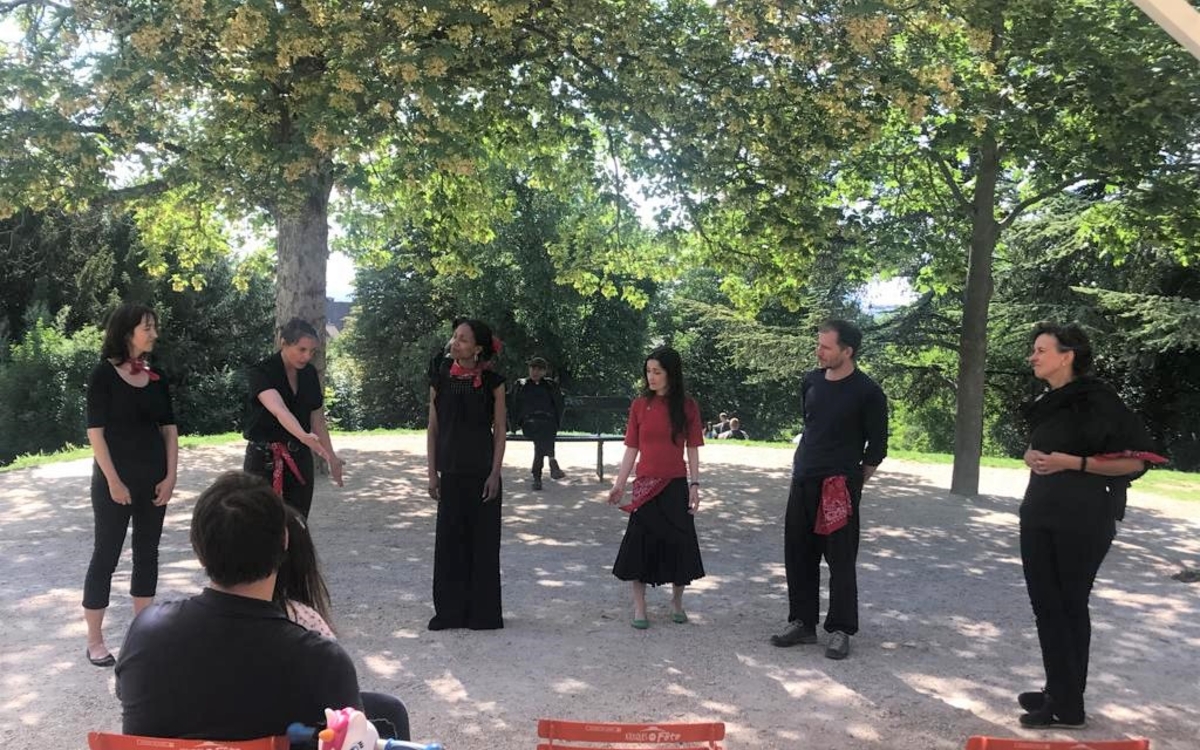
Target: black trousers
[
  {"x": 466, "y": 556},
  {"x": 296, "y": 494},
  {"x": 802, "y": 553},
  {"x": 388, "y": 714},
  {"x": 1060, "y": 568},
  {"x": 542, "y": 432},
  {"x": 111, "y": 523}
]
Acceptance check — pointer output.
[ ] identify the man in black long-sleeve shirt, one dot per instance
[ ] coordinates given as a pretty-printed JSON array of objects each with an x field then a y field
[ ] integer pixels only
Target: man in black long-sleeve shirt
[{"x": 845, "y": 434}]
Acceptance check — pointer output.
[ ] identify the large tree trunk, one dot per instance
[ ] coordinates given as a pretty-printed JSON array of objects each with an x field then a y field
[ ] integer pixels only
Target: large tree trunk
[
  {"x": 972, "y": 350},
  {"x": 302, "y": 249}
]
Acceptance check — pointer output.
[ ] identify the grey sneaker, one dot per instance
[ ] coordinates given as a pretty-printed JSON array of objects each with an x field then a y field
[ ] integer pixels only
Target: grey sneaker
[
  {"x": 795, "y": 633},
  {"x": 839, "y": 645}
]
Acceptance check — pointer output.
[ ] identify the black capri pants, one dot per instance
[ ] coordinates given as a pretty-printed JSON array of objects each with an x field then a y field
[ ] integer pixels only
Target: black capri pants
[{"x": 111, "y": 522}]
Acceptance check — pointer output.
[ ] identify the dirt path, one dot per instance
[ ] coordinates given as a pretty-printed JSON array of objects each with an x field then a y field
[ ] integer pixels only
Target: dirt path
[{"x": 947, "y": 637}]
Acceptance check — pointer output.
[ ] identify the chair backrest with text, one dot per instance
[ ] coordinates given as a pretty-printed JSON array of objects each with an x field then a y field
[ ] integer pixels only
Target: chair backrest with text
[
  {"x": 106, "y": 741},
  {"x": 594, "y": 735},
  {"x": 997, "y": 743}
]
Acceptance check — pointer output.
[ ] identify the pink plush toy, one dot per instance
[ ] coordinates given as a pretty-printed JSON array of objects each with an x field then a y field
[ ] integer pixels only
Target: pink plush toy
[{"x": 349, "y": 729}]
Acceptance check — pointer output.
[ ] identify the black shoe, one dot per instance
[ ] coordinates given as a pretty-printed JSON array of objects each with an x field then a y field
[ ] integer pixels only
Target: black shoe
[
  {"x": 537, "y": 484},
  {"x": 1045, "y": 718},
  {"x": 795, "y": 634},
  {"x": 438, "y": 623},
  {"x": 99, "y": 661},
  {"x": 1034, "y": 700},
  {"x": 839, "y": 645},
  {"x": 555, "y": 472}
]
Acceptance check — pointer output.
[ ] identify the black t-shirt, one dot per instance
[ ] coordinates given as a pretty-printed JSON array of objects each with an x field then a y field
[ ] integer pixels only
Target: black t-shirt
[
  {"x": 131, "y": 418},
  {"x": 465, "y": 413},
  {"x": 845, "y": 425},
  {"x": 1083, "y": 418},
  {"x": 224, "y": 667},
  {"x": 261, "y": 424}
]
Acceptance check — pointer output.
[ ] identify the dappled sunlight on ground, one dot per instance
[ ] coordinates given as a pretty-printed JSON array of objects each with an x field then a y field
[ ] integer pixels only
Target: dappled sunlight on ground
[{"x": 947, "y": 637}]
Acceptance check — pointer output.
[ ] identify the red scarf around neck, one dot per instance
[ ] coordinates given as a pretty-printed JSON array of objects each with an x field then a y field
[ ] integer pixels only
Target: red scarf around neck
[
  {"x": 139, "y": 365},
  {"x": 475, "y": 373}
]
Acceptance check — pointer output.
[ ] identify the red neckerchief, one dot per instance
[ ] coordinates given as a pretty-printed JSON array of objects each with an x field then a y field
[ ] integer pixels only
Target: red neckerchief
[
  {"x": 280, "y": 455},
  {"x": 139, "y": 365},
  {"x": 476, "y": 372}
]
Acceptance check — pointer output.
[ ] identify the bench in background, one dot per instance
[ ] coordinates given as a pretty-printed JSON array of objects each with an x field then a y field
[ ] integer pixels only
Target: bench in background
[{"x": 593, "y": 415}]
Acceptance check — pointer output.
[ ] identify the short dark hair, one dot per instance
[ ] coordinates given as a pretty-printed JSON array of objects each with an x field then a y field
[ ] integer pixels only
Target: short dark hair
[
  {"x": 1071, "y": 338},
  {"x": 296, "y": 329},
  {"x": 121, "y": 324},
  {"x": 238, "y": 528},
  {"x": 483, "y": 336},
  {"x": 849, "y": 334}
]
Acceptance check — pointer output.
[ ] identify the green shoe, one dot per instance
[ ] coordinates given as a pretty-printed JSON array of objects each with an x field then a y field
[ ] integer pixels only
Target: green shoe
[
  {"x": 640, "y": 624},
  {"x": 679, "y": 617}
]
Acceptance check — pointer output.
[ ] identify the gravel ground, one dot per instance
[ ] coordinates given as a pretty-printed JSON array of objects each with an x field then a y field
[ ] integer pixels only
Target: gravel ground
[{"x": 947, "y": 637}]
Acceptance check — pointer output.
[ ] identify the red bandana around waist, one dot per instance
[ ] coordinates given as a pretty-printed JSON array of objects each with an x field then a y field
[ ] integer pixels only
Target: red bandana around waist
[
  {"x": 280, "y": 455},
  {"x": 835, "y": 509},
  {"x": 645, "y": 489},
  {"x": 1147, "y": 456}
]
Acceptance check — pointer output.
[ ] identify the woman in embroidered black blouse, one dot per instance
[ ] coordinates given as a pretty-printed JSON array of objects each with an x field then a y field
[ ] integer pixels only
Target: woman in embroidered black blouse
[
  {"x": 1081, "y": 442},
  {"x": 465, "y": 448},
  {"x": 131, "y": 428},
  {"x": 285, "y": 418}
]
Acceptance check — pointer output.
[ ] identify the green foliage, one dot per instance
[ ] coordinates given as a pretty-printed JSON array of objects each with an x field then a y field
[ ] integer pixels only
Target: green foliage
[
  {"x": 80, "y": 266},
  {"x": 42, "y": 384},
  {"x": 405, "y": 302}
]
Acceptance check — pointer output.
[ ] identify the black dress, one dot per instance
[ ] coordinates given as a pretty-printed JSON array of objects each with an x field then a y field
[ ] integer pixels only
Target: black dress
[
  {"x": 262, "y": 428},
  {"x": 1068, "y": 521},
  {"x": 466, "y": 557}
]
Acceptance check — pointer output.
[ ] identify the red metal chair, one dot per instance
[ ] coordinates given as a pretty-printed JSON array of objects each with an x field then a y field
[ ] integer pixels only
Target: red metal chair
[
  {"x": 996, "y": 743},
  {"x": 106, "y": 741},
  {"x": 595, "y": 735}
]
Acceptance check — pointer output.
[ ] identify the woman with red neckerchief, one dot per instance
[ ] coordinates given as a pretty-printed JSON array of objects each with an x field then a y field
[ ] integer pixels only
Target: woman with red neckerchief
[
  {"x": 660, "y": 544},
  {"x": 1085, "y": 446},
  {"x": 131, "y": 428},
  {"x": 465, "y": 449}
]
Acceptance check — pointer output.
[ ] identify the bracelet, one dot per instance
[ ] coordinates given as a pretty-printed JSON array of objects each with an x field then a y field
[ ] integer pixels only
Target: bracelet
[
  {"x": 1083, "y": 464},
  {"x": 693, "y": 484}
]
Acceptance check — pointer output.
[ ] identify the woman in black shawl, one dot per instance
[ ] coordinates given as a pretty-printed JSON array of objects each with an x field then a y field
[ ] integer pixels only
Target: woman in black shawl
[{"x": 1085, "y": 447}]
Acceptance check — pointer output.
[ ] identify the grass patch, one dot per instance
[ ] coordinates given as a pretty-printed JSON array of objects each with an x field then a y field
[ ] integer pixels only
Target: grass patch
[{"x": 1177, "y": 485}]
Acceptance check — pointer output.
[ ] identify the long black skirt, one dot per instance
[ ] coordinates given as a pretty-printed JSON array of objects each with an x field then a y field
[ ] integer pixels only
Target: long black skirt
[{"x": 660, "y": 544}]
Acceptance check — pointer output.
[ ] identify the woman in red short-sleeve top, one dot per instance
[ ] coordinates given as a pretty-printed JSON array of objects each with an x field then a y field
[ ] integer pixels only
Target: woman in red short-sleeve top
[{"x": 660, "y": 544}]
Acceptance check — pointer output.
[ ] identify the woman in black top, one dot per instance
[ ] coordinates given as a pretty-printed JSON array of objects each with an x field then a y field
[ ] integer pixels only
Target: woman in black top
[
  {"x": 285, "y": 418},
  {"x": 1084, "y": 448},
  {"x": 465, "y": 445},
  {"x": 131, "y": 428}
]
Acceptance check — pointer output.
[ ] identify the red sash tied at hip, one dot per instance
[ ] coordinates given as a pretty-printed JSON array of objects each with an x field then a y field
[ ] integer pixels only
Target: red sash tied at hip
[
  {"x": 835, "y": 508},
  {"x": 1146, "y": 456},
  {"x": 645, "y": 489},
  {"x": 280, "y": 455}
]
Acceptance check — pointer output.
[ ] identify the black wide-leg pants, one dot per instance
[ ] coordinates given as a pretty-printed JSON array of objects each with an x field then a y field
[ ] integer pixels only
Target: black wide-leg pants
[{"x": 466, "y": 556}]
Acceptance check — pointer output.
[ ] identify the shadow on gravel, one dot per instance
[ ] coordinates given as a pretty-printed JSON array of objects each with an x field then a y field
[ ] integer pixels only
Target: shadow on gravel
[{"x": 947, "y": 637}]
